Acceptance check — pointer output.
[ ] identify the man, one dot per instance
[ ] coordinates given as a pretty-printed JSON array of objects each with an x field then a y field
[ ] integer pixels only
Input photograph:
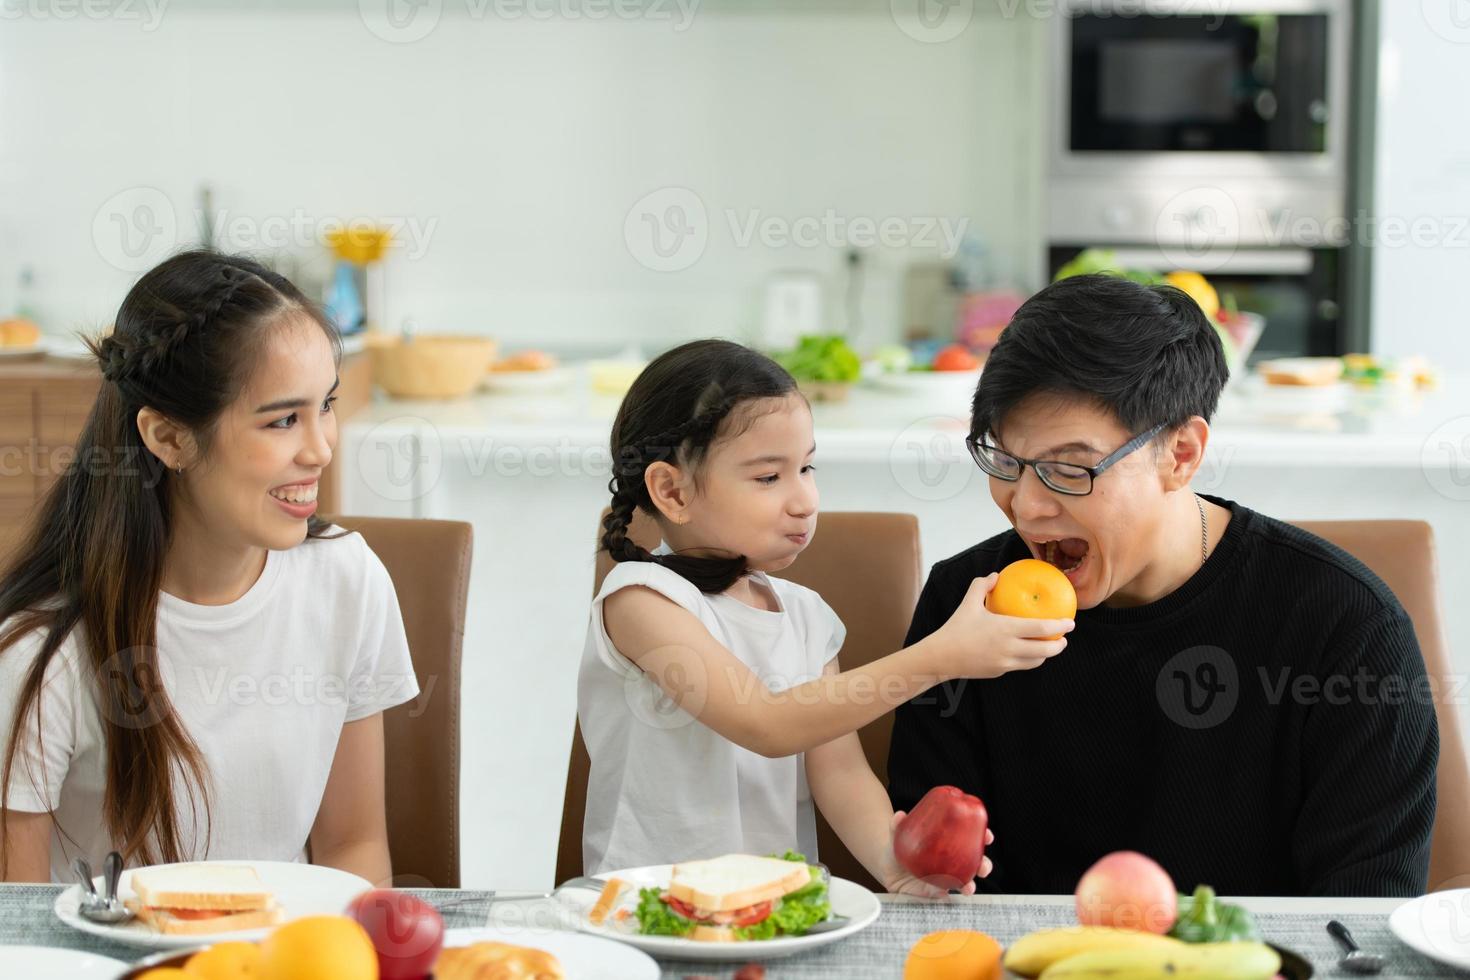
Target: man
[{"x": 1240, "y": 700}]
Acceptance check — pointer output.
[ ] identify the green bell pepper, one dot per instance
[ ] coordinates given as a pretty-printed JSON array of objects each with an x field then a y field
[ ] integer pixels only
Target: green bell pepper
[{"x": 1205, "y": 919}]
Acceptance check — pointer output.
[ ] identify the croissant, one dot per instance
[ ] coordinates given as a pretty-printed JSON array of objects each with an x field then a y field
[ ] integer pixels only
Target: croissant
[{"x": 497, "y": 961}]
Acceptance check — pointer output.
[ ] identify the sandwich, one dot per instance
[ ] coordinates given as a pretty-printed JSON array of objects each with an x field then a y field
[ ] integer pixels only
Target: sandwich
[
  {"x": 198, "y": 899},
  {"x": 736, "y": 898}
]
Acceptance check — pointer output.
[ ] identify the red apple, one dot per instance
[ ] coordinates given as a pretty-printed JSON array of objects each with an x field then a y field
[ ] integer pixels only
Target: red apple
[
  {"x": 1127, "y": 890},
  {"x": 407, "y": 933},
  {"x": 942, "y": 840}
]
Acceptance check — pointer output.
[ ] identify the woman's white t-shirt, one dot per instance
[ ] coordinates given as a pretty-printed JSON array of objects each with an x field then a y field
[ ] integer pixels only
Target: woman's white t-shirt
[
  {"x": 263, "y": 685},
  {"x": 665, "y": 788}
]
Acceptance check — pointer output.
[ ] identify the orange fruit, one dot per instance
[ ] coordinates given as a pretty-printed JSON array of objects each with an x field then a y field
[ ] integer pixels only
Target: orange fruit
[
  {"x": 319, "y": 947},
  {"x": 225, "y": 961},
  {"x": 164, "y": 973},
  {"x": 955, "y": 954},
  {"x": 1035, "y": 589}
]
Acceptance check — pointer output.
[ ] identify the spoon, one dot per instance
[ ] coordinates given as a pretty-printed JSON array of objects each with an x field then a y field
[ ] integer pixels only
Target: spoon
[
  {"x": 1356, "y": 961},
  {"x": 106, "y": 909},
  {"x": 83, "y": 871}
]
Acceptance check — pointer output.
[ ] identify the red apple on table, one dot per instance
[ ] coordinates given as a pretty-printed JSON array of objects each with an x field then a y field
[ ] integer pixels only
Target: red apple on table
[
  {"x": 942, "y": 840},
  {"x": 408, "y": 933}
]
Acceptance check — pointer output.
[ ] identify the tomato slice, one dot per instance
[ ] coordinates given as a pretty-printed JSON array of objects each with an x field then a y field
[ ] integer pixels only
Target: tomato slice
[
  {"x": 753, "y": 914},
  {"x": 194, "y": 915},
  {"x": 686, "y": 910}
]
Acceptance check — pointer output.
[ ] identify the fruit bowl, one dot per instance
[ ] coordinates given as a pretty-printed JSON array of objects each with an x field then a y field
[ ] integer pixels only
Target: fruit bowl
[{"x": 430, "y": 366}]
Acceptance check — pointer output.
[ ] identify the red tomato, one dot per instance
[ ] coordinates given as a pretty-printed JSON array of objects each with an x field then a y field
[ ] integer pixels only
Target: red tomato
[
  {"x": 407, "y": 933},
  {"x": 753, "y": 914},
  {"x": 956, "y": 357},
  {"x": 942, "y": 841},
  {"x": 1127, "y": 890}
]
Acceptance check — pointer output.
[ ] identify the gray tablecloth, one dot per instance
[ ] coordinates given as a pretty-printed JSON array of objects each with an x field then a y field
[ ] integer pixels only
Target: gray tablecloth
[{"x": 877, "y": 952}]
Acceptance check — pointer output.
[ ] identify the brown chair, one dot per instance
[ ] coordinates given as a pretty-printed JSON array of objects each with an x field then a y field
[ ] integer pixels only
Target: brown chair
[
  {"x": 866, "y": 566},
  {"x": 429, "y": 562},
  {"x": 1402, "y": 554}
]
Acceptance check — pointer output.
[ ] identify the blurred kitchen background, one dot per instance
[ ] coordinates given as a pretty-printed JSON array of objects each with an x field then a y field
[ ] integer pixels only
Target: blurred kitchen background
[{"x": 545, "y": 193}]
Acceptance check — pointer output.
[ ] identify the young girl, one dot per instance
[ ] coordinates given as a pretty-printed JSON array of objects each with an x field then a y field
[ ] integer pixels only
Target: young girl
[
  {"x": 704, "y": 680},
  {"x": 190, "y": 665}
]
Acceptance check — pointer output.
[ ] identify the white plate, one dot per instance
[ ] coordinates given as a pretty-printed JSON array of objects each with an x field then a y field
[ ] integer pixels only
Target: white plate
[
  {"x": 1437, "y": 925},
  {"x": 300, "y": 889},
  {"x": 582, "y": 957},
  {"x": 852, "y": 900},
  {"x": 952, "y": 389},
  {"x": 517, "y": 381},
  {"x": 47, "y": 963}
]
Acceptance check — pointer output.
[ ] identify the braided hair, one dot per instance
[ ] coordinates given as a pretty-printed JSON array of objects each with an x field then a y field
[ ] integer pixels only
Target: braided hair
[
  {"x": 184, "y": 344},
  {"x": 674, "y": 412}
]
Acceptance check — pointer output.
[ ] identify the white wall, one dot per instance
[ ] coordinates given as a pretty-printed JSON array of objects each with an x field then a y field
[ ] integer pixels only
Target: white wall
[
  {"x": 1421, "y": 252},
  {"x": 516, "y": 147}
]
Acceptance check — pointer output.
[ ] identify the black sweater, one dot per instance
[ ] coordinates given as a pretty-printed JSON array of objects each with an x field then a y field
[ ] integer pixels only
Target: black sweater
[{"x": 1266, "y": 728}]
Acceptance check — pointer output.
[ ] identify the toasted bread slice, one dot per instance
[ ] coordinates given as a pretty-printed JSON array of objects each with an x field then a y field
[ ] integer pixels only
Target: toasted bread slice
[
  {"x": 204, "y": 886},
  {"x": 735, "y": 881},
  {"x": 165, "y": 921}
]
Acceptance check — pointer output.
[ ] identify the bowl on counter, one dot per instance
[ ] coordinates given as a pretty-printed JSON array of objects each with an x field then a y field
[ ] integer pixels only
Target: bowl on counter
[{"x": 429, "y": 365}]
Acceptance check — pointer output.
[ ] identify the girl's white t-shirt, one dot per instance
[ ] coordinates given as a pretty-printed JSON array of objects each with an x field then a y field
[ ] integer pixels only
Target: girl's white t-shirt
[
  {"x": 263, "y": 685},
  {"x": 665, "y": 788}
]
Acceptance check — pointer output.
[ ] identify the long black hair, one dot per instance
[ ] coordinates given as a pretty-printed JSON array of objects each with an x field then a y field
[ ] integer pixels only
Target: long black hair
[
  {"x": 683, "y": 402},
  {"x": 184, "y": 344}
]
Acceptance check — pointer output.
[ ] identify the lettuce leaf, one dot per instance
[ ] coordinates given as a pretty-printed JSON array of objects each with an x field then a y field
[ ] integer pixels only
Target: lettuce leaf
[{"x": 656, "y": 919}]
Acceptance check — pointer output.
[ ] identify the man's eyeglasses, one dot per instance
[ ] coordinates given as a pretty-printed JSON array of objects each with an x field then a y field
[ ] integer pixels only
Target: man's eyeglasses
[{"x": 1068, "y": 478}]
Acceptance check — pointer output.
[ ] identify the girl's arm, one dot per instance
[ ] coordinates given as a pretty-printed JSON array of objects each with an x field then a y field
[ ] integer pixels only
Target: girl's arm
[
  {"x": 856, "y": 805},
  {"x": 27, "y": 846},
  {"x": 351, "y": 829},
  {"x": 698, "y": 674}
]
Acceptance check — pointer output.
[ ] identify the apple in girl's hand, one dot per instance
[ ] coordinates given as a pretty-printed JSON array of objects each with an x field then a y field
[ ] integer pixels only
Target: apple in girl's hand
[
  {"x": 942, "y": 840},
  {"x": 1127, "y": 890},
  {"x": 407, "y": 933}
]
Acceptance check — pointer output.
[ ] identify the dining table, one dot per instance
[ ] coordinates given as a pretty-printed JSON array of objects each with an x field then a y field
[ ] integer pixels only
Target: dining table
[{"x": 879, "y": 951}]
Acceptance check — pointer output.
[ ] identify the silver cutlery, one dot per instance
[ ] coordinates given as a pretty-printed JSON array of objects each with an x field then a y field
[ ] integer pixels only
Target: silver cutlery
[
  {"x": 105, "y": 908},
  {"x": 1356, "y": 961}
]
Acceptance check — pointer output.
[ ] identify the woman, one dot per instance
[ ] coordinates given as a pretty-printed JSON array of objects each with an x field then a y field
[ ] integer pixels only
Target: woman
[{"x": 191, "y": 665}]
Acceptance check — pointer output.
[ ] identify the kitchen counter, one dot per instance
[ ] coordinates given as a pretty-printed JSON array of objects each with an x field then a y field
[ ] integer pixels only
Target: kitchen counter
[
  {"x": 1256, "y": 423},
  {"x": 531, "y": 472}
]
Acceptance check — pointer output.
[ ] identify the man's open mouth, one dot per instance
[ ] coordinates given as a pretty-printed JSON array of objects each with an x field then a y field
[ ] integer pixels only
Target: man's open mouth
[{"x": 1065, "y": 553}]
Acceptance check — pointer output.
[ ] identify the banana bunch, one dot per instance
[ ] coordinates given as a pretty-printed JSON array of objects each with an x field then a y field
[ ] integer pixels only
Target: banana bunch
[{"x": 1100, "y": 953}]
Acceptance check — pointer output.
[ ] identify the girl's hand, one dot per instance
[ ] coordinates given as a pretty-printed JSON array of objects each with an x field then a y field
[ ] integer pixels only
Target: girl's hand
[
  {"x": 979, "y": 643},
  {"x": 900, "y": 882}
]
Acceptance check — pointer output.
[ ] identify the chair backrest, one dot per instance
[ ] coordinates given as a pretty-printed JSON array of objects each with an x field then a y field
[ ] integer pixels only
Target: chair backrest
[
  {"x": 1402, "y": 554},
  {"x": 866, "y": 566},
  {"x": 429, "y": 562}
]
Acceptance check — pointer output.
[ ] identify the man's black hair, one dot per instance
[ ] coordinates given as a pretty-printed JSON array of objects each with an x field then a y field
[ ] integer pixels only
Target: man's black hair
[{"x": 1145, "y": 353}]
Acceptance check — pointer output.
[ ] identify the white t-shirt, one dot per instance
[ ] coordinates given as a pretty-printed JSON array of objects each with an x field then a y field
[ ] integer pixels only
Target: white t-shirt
[
  {"x": 263, "y": 685},
  {"x": 662, "y": 786}
]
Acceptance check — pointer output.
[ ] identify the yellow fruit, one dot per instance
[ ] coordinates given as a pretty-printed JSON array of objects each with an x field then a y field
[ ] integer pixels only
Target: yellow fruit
[
  {"x": 1200, "y": 961},
  {"x": 1034, "y": 952},
  {"x": 225, "y": 961},
  {"x": 1199, "y": 290},
  {"x": 956, "y": 954},
  {"x": 321, "y": 947}
]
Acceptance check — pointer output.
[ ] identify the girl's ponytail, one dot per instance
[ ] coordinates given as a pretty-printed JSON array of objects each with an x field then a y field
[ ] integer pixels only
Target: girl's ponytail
[{"x": 673, "y": 413}]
